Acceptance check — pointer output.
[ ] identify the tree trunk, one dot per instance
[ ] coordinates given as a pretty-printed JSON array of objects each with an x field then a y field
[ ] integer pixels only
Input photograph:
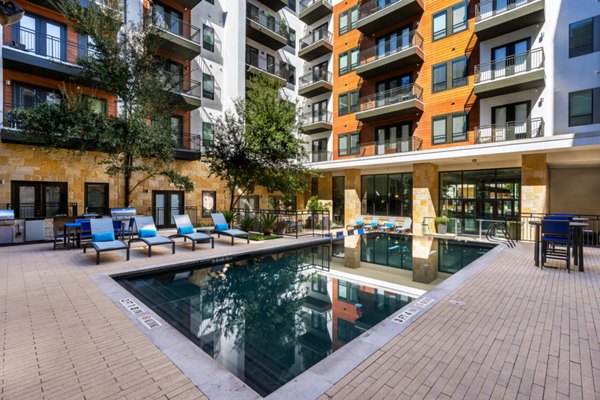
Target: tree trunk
[{"x": 128, "y": 163}]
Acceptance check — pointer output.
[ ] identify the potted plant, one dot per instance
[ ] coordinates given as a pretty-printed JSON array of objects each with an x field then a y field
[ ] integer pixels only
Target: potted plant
[
  {"x": 441, "y": 224},
  {"x": 283, "y": 28},
  {"x": 267, "y": 221},
  {"x": 280, "y": 227}
]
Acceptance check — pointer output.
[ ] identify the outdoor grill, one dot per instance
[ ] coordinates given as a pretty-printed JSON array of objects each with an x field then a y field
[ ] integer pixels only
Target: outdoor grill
[
  {"x": 119, "y": 214},
  {"x": 7, "y": 222}
]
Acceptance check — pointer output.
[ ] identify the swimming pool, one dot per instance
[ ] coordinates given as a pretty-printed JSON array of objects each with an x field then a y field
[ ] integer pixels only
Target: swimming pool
[{"x": 266, "y": 317}]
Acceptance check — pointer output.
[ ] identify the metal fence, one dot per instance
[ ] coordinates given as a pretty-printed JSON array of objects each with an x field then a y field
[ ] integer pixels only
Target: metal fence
[
  {"x": 170, "y": 23},
  {"x": 508, "y": 66},
  {"x": 163, "y": 216},
  {"x": 391, "y": 96},
  {"x": 530, "y": 128},
  {"x": 283, "y": 222},
  {"x": 591, "y": 233},
  {"x": 491, "y": 8},
  {"x": 46, "y": 210},
  {"x": 392, "y": 46}
]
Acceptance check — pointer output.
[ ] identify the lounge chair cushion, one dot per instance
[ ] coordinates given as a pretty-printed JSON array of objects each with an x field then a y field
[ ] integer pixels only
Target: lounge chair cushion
[
  {"x": 359, "y": 222},
  {"x": 185, "y": 230},
  {"x": 147, "y": 233},
  {"x": 103, "y": 237},
  {"x": 374, "y": 224},
  {"x": 112, "y": 245},
  {"x": 221, "y": 227},
  {"x": 235, "y": 232},
  {"x": 157, "y": 240},
  {"x": 198, "y": 236},
  {"x": 389, "y": 225}
]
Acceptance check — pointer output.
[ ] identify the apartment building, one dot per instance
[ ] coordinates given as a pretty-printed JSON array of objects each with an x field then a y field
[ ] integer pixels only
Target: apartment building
[
  {"x": 475, "y": 110},
  {"x": 212, "y": 47}
]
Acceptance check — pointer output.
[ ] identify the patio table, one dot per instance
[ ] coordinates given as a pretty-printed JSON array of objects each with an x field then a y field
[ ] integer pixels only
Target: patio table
[
  {"x": 72, "y": 230},
  {"x": 577, "y": 228}
]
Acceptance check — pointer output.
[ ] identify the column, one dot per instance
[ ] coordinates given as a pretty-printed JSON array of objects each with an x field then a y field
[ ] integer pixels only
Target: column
[
  {"x": 535, "y": 184},
  {"x": 425, "y": 194},
  {"x": 352, "y": 206}
]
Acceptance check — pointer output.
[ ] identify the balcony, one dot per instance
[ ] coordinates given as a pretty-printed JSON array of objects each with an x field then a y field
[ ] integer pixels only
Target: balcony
[
  {"x": 315, "y": 45},
  {"x": 52, "y": 4},
  {"x": 511, "y": 74},
  {"x": 314, "y": 84},
  {"x": 190, "y": 146},
  {"x": 189, "y": 3},
  {"x": 492, "y": 20},
  {"x": 313, "y": 10},
  {"x": 188, "y": 93},
  {"x": 394, "y": 146},
  {"x": 274, "y": 5},
  {"x": 316, "y": 122},
  {"x": 531, "y": 128},
  {"x": 375, "y": 15},
  {"x": 44, "y": 55},
  {"x": 175, "y": 36},
  {"x": 391, "y": 103},
  {"x": 391, "y": 55},
  {"x": 270, "y": 68},
  {"x": 265, "y": 30},
  {"x": 320, "y": 156}
]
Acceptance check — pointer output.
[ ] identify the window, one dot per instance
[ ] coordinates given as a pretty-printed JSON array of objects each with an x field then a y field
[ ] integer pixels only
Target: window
[
  {"x": 39, "y": 199},
  {"x": 449, "y": 128},
  {"x": 346, "y": 331},
  {"x": 350, "y": 57},
  {"x": 343, "y": 65},
  {"x": 209, "y": 203},
  {"x": 96, "y": 198},
  {"x": 177, "y": 130},
  {"x": 581, "y": 37},
  {"x": 168, "y": 19},
  {"x": 348, "y": 20},
  {"x": 292, "y": 5},
  {"x": 395, "y": 138},
  {"x": 291, "y": 74},
  {"x": 318, "y": 321},
  {"x": 347, "y": 291},
  {"x": 207, "y": 133},
  {"x": 450, "y": 21},
  {"x": 439, "y": 78},
  {"x": 319, "y": 283},
  {"x": 387, "y": 194},
  {"x": 348, "y": 102},
  {"x": 99, "y": 106},
  {"x": 208, "y": 86},
  {"x": 459, "y": 72},
  {"x": 208, "y": 38},
  {"x": 314, "y": 187},
  {"x": 292, "y": 38},
  {"x": 348, "y": 144},
  {"x": 249, "y": 202},
  {"x": 29, "y": 96},
  {"x": 40, "y": 36},
  {"x": 580, "y": 108}
]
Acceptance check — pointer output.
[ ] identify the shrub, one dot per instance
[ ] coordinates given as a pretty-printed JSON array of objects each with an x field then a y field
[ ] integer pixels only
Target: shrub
[
  {"x": 248, "y": 223},
  {"x": 442, "y": 219}
]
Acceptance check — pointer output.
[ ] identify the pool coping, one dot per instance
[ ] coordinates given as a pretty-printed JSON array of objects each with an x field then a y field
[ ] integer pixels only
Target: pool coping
[{"x": 216, "y": 381}]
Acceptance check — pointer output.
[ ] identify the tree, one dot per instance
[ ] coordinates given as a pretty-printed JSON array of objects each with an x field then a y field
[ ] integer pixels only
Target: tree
[
  {"x": 123, "y": 61},
  {"x": 256, "y": 144}
]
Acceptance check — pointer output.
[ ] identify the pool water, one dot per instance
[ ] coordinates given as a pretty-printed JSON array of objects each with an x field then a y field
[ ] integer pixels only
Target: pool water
[{"x": 269, "y": 317}]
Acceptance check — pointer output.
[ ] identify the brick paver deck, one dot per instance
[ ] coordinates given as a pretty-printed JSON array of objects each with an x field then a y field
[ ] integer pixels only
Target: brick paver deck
[{"x": 522, "y": 333}]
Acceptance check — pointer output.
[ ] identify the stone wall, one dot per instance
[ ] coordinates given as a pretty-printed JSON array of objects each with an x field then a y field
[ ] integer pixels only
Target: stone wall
[
  {"x": 352, "y": 206},
  {"x": 535, "y": 179},
  {"x": 425, "y": 194}
]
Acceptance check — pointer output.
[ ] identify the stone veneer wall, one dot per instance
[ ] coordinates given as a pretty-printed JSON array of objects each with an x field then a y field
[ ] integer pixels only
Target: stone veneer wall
[
  {"x": 425, "y": 194},
  {"x": 352, "y": 206},
  {"x": 535, "y": 179}
]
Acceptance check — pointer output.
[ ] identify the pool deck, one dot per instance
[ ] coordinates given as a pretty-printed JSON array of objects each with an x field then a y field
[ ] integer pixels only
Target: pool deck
[{"x": 515, "y": 332}]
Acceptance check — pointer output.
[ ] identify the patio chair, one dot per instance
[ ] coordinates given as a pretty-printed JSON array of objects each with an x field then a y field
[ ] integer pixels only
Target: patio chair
[
  {"x": 147, "y": 233},
  {"x": 388, "y": 224},
  {"x": 185, "y": 229},
  {"x": 405, "y": 227},
  {"x": 358, "y": 223},
  {"x": 222, "y": 228},
  {"x": 374, "y": 224},
  {"x": 556, "y": 241},
  {"x": 103, "y": 238}
]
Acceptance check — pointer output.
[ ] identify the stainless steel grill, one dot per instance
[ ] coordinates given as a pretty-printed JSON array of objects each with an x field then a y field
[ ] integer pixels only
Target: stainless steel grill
[
  {"x": 119, "y": 214},
  {"x": 7, "y": 223}
]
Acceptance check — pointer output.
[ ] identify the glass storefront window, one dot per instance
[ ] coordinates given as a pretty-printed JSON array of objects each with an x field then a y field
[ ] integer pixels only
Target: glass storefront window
[{"x": 387, "y": 194}]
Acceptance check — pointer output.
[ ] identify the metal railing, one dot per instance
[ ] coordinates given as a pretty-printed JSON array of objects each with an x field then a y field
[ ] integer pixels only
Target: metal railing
[
  {"x": 488, "y": 9},
  {"x": 191, "y": 141},
  {"x": 188, "y": 87},
  {"x": 591, "y": 233},
  {"x": 287, "y": 222},
  {"x": 176, "y": 26},
  {"x": 47, "y": 46},
  {"x": 270, "y": 66},
  {"x": 313, "y": 118},
  {"x": 304, "y": 4},
  {"x": 406, "y": 145},
  {"x": 319, "y": 156},
  {"x": 314, "y": 37},
  {"x": 267, "y": 21},
  {"x": 403, "y": 42},
  {"x": 518, "y": 63},
  {"x": 163, "y": 216},
  {"x": 531, "y": 128},
  {"x": 392, "y": 96},
  {"x": 312, "y": 77},
  {"x": 47, "y": 210},
  {"x": 371, "y": 7}
]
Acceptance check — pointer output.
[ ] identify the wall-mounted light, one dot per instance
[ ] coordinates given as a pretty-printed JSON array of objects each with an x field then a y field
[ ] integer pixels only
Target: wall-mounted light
[
  {"x": 7, "y": 82},
  {"x": 540, "y": 102}
]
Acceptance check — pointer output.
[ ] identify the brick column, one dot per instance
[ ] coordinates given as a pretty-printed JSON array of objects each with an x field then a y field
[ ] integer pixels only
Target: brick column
[
  {"x": 425, "y": 194},
  {"x": 535, "y": 184},
  {"x": 352, "y": 206}
]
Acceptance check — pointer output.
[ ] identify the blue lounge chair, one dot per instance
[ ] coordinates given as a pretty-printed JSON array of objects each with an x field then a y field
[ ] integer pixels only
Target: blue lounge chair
[
  {"x": 103, "y": 238},
  {"x": 222, "y": 228},
  {"x": 186, "y": 230},
  {"x": 147, "y": 233}
]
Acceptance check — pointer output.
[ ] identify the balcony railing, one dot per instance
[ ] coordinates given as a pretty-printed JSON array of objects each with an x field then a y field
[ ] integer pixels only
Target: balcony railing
[
  {"x": 176, "y": 26},
  {"x": 188, "y": 87},
  {"x": 407, "y": 40},
  {"x": 531, "y": 128},
  {"x": 394, "y": 146},
  {"x": 312, "y": 77},
  {"x": 47, "y": 46},
  {"x": 319, "y": 156},
  {"x": 314, "y": 118},
  {"x": 389, "y": 97},
  {"x": 314, "y": 37},
  {"x": 371, "y": 7},
  {"x": 519, "y": 63},
  {"x": 270, "y": 66},
  {"x": 489, "y": 8},
  {"x": 304, "y": 4},
  {"x": 191, "y": 141},
  {"x": 267, "y": 21}
]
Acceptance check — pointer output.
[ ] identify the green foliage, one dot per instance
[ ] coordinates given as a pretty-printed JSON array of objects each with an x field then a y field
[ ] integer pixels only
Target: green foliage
[
  {"x": 248, "y": 223},
  {"x": 442, "y": 219},
  {"x": 267, "y": 221},
  {"x": 260, "y": 237},
  {"x": 124, "y": 63},
  {"x": 230, "y": 216},
  {"x": 313, "y": 204},
  {"x": 257, "y": 144}
]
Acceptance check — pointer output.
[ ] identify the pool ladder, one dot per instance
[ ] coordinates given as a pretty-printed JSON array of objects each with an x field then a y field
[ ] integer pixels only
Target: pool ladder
[{"x": 490, "y": 235}]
